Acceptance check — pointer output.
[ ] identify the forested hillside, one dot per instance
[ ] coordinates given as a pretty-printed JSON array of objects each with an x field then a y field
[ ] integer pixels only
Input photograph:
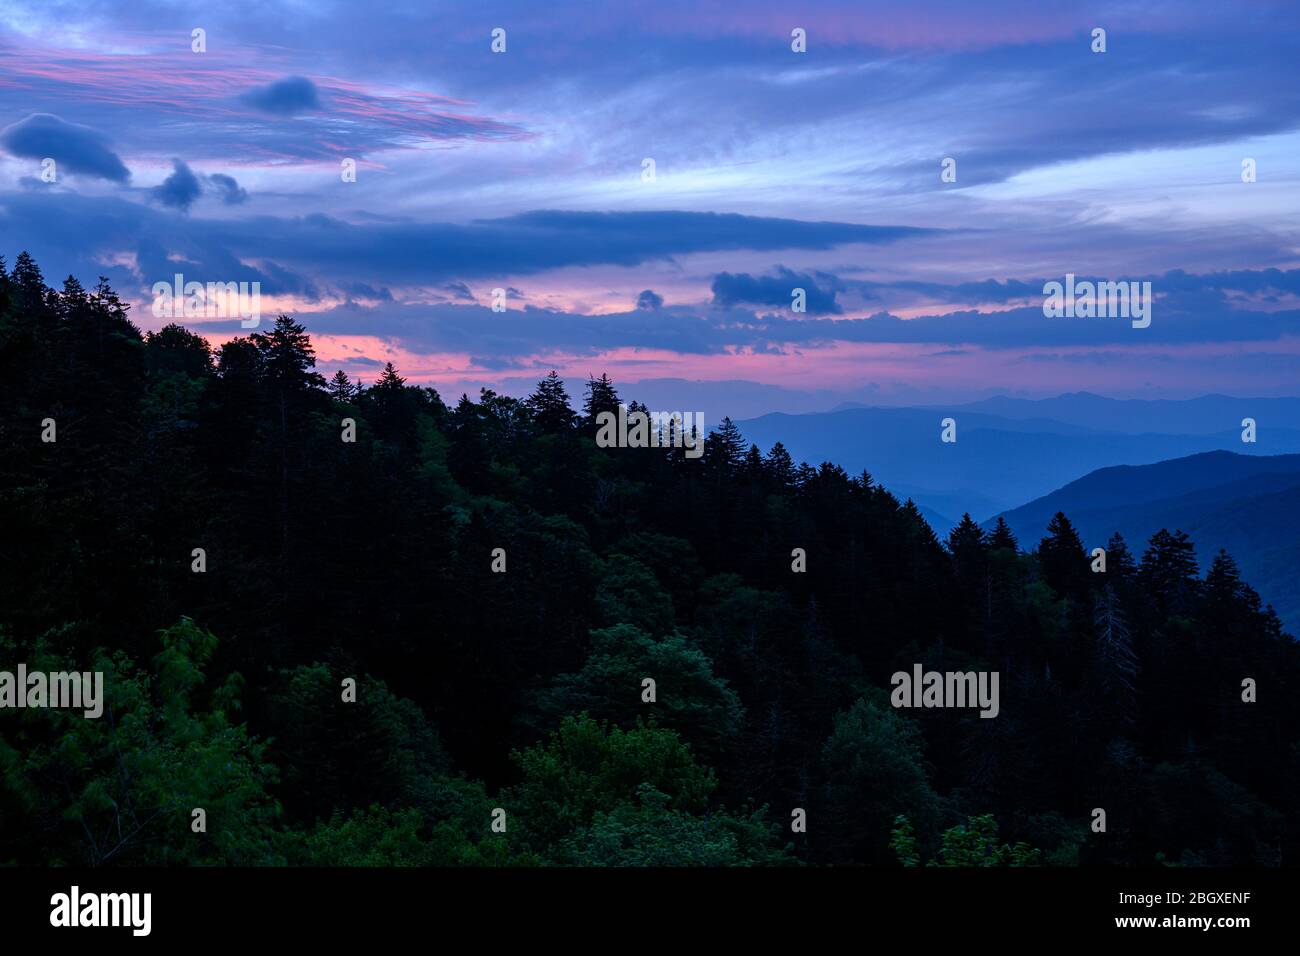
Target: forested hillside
[
  {"x": 1248, "y": 505},
  {"x": 521, "y": 689}
]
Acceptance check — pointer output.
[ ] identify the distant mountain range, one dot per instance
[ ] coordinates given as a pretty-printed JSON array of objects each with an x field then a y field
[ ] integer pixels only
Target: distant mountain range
[
  {"x": 1247, "y": 504},
  {"x": 1009, "y": 450},
  {"x": 1207, "y": 415}
]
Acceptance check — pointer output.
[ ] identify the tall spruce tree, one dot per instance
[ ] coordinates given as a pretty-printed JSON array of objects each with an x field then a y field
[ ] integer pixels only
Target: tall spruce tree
[{"x": 549, "y": 405}]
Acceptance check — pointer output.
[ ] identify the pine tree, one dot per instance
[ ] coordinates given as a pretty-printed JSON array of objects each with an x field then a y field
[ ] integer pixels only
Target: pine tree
[
  {"x": 27, "y": 282},
  {"x": 549, "y": 405},
  {"x": 725, "y": 447},
  {"x": 1002, "y": 536},
  {"x": 74, "y": 298},
  {"x": 389, "y": 381},
  {"x": 1062, "y": 559},
  {"x": 106, "y": 301},
  {"x": 1169, "y": 572},
  {"x": 601, "y": 397},
  {"x": 341, "y": 388},
  {"x": 967, "y": 541},
  {"x": 1119, "y": 559},
  {"x": 780, "y": 468},
  {"x": 288, "y": 356},
  {"x": 1223, "y": 580}
]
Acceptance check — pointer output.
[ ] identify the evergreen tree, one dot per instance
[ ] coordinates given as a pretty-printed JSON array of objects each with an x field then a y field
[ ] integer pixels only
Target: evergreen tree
[
  {"x": 288, "y": 356},
  {"x": 389, "y": 381},
  {"x": 1169, "y": 573},
  {"x": 1119, "y": 559},
  {"x": 780, "y": 468},
  {"x": 549, "y": 405},
  {"x": 725, "y": 447},
  {"x": 1223, "y": 581},
  {"x": 601, "y": 397},
  {"x": 1002, "y": 536},
  {"x": 1063, "y": 560},
  {"x": 967, "y": 541},
  {"x": 74, "y": 299},
  {"x": 27, "y": 284},
  {"x": 341, "y": 388}
]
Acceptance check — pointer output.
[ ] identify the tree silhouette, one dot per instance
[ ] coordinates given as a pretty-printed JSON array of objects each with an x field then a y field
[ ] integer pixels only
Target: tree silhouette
[
  {"x": 204, "y": 495},
  {"x": 549, "y": 405}
]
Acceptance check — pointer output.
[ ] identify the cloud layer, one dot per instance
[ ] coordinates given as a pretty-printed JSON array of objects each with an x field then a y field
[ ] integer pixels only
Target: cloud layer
[{"x": 381, "y": 175}]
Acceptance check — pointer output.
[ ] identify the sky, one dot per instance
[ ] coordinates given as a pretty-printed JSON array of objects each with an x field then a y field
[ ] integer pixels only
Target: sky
[{"x": 528, "y": 170}]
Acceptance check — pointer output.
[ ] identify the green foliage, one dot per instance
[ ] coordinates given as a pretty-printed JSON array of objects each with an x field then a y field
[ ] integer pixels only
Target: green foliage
[
  {"x": 875, "y": 771},
  {"x": 372, "y": 837},
  {"x": 690, "y": 699},
  {"x": 629, "y": 593},
  {"x": 121, "y": 788},
  {"x": 586, "y": 766},
  {"x": 594, "y": 794},
  {"x": 975, "y": 843},
  {"x": 453, "y": 831},
  {"x": 903, "y": 841},
  {"x": 378, "y": 750},
  {"x": 646, "y": 832}
]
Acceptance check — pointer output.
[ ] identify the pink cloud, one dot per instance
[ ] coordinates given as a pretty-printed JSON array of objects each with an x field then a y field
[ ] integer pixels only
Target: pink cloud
[{"x": 190, "y": 88}]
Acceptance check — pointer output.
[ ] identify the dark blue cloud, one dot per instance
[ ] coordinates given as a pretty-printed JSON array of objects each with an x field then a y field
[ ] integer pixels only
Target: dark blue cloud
[
  {"x": 496, "y": 364},
  {"x": 525, "y": 244},
  {"x": 76, "y": 148},
  {"x": 633, "y": 237},
  {"x": 293, "y": 94},
  {"x": 231, "y": 193},
  {"x": 649, "y": 299},
  {"x": 290, "y": 251},
  {"x": 180, "y": 189},
  {"x": 363, "y": 290},
  {"x": 777, "y": 290}
]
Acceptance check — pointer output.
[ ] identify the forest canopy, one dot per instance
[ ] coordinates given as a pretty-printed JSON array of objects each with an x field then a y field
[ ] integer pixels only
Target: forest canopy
[{"x": 498, "y": 713}]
